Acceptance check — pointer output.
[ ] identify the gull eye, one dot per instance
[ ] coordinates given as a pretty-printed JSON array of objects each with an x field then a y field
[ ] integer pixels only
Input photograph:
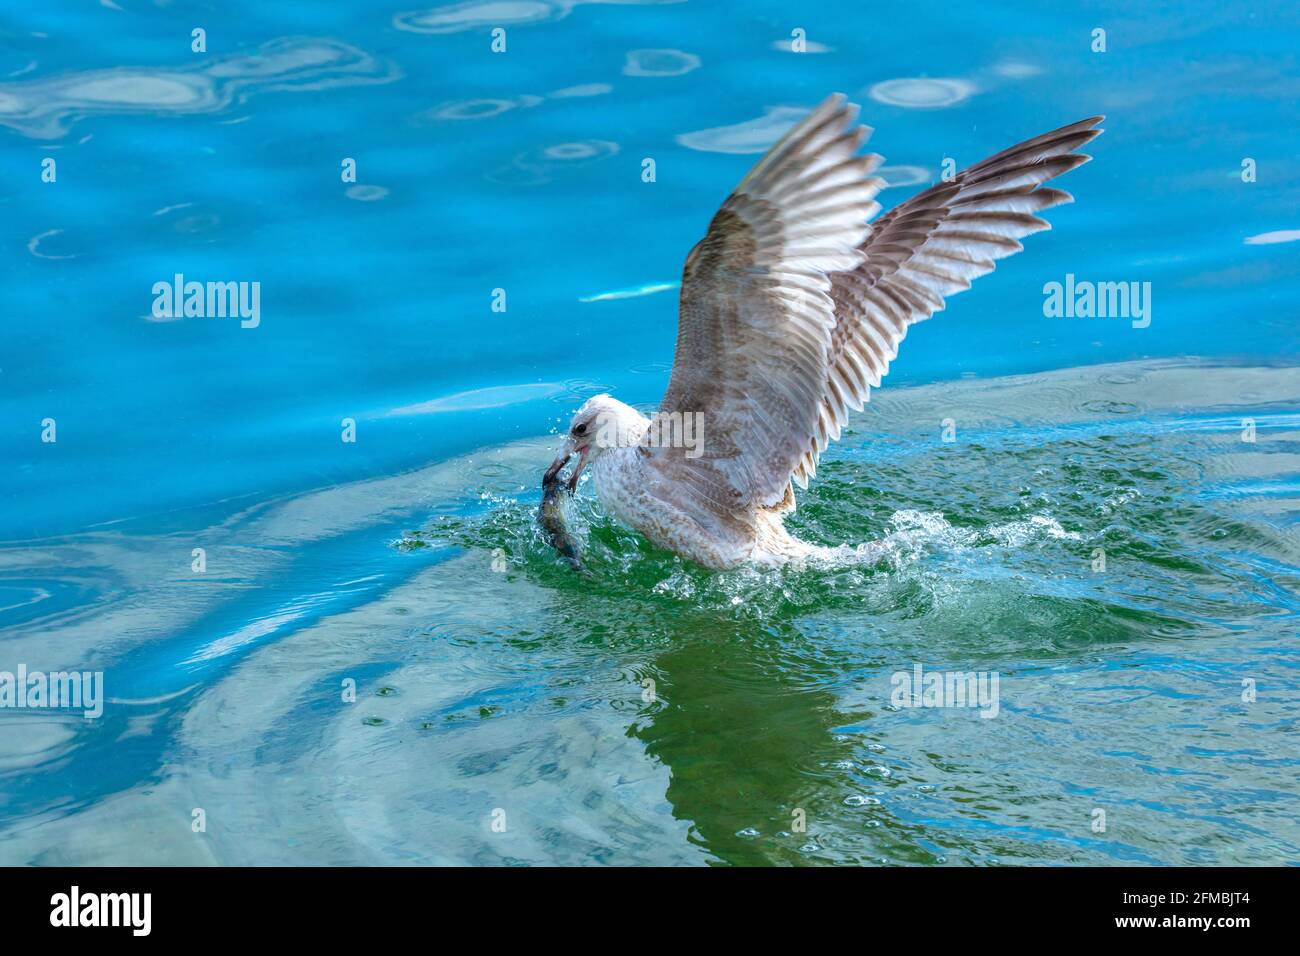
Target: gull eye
[{"x": 580, "y": 429}]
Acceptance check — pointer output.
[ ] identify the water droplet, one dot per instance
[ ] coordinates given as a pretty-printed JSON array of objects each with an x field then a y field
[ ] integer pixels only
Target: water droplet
[{"x": 858, "y": 800}]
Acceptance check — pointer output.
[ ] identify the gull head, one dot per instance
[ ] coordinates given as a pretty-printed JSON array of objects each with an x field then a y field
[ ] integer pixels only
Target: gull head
[{"x": 602, "y": 423}]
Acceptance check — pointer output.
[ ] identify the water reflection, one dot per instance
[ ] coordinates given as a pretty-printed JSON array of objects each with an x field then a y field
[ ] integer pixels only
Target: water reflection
[{"x": 744, "y": 735}]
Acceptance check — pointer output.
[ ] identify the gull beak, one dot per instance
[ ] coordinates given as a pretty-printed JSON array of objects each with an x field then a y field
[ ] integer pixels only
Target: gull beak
[
  {"x": 560, "y": 460},
  {"x": 577, "y": 470},
  {"x": 567, "y": 452}
]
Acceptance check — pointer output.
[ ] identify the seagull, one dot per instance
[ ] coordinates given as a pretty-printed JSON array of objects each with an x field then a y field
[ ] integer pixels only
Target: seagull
[{"x": 792, "y": 307}]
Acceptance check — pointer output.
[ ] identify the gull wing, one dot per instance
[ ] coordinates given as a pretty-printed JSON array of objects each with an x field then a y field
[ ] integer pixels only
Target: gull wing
[
  {"x": 925, "y": 250},
  {"x": 792, "y": 307},
  {"x": 756, "y": 316}
]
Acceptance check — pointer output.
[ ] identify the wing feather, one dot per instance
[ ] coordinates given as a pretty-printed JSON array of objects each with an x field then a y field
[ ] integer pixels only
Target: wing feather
[
  {"x": 756, "y": 314},
  {"x": 931, "y": 247},
  {"x": 792, "y": 308}
]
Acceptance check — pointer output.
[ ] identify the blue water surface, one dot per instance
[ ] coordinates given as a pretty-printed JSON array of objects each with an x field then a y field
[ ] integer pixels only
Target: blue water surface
[{"x": 485, "y": 176}]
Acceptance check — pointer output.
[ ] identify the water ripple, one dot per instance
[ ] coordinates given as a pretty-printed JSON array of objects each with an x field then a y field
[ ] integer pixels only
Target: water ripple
[
  {"x": 46, "y": 108},
  {"x": 922, "y": 93},
  {"x": 659, "y": 63},
  {"x": 1269, "y": 238},
  {"x": 366, "y": 193},
  {"x": 750, "y": 136},
  {"x": 488, "y": 107},
  {"x": 34, "y": 246},
  {"x": 536, "y": 165},
  {"x": 479, "y": 14}
]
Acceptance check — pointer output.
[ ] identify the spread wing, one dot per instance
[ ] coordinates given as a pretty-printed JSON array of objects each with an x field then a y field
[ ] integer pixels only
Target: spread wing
[
  {"x": 926, "y": 249},
  {"x": 756, "y": 315},
  {"x": 792, "y": 307}
]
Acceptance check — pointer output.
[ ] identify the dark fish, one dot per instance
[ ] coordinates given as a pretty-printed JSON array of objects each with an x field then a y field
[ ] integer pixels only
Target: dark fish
[{"x": 551, "y": 516}]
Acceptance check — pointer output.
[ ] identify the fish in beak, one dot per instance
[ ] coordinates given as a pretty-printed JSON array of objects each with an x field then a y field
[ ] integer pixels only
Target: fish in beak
[
  {"x": 567, "y": 452},
  {"x": 560, "y": 461},
  {"x": 551, "y": 514},
  {"x": 583, "y": 454}
]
